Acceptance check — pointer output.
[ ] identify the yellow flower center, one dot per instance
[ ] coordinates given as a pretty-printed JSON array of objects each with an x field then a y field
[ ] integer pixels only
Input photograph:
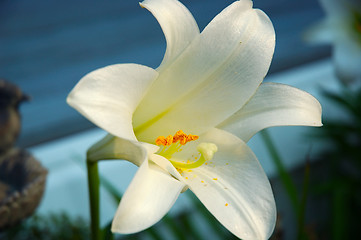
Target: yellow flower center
[{"x": 173, "y": 144}]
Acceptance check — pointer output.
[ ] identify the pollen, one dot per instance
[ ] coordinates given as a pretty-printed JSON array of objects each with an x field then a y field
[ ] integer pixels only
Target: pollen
[
  {"x": 191, "y": 137},
  {"x": 179, "y": 136},
  {"x": 215, "y": 178},
  {"x": 226, "y": 204},
  {"x": 165, "y": 141}
]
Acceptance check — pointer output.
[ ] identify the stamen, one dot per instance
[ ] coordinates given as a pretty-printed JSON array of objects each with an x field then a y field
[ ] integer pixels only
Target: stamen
[
  {"x": 161, "y": 140},
  {"x": 169, "y": 140},
  {"x": 191, "y": 137},
  {"x": 173, "y": 144},
  {"x": 180, "y": 137}
]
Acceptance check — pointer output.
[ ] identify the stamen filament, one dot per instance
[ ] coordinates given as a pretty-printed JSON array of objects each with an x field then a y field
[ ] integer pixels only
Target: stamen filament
[
  {"x": 194, "y": 164},
  {"x": 167, "y": 152}
]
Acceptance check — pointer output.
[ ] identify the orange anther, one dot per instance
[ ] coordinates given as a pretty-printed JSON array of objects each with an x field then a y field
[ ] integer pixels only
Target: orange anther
[
  {"x": 191, "y": 137},
  {"x": 178, "y": 136},
  {"x": 169, "y": 140},
  {"x": 160, "y": 141},
  {"x": 183, "y": 140}
]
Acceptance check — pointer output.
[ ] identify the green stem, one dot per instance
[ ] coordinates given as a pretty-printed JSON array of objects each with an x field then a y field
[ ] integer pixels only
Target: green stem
[
  {"x": 93, "y": 186},
  {"x": 283, "y": 174}
]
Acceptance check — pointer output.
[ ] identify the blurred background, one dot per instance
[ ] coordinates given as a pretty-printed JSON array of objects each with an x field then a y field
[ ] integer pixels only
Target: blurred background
[{"x": 47, "y": 46}]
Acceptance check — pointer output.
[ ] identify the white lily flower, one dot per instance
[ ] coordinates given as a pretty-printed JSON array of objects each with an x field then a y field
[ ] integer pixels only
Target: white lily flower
[
  {"x": 174, "y": 122},
  {"x": 342, "y": 29}
]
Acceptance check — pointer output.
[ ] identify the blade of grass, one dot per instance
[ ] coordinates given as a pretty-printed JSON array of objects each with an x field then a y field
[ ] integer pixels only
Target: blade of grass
[
  {"x": 281, "y": 170},
  {"x": 345, "y": 99},
  {"x": 154, "y": 233},
  {"x": 187, "y": 222},
  {"x": 302, "y": 208},
  {"x": 340, "y": 212},
  {"x": 218, "y": 229},
  {"x": 178, "y": 233},
  {"x": 116, "y": 195},
  {"x": 108, "y": 235}
]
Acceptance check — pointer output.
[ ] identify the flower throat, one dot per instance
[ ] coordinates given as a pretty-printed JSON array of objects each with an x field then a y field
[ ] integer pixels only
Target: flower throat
[{"x": 173, "y": 144}]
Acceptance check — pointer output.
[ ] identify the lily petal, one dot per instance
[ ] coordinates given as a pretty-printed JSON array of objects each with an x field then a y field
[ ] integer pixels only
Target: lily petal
[
  {"x": 108, "y": 96},
  {"x": 218, "y": 72},
  {"x": 178, "y": 25},
  {"x": 148, "y": 198},
  {"x": 112, "y": 147},
  {"x": 166, "y": 166},
  {"x": 234, "y": 188},
  {"x": 272, "y": 105}
]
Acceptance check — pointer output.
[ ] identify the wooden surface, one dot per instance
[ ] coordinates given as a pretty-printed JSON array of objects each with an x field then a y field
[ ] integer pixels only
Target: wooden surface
[{"x": 46, "y": 46}]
